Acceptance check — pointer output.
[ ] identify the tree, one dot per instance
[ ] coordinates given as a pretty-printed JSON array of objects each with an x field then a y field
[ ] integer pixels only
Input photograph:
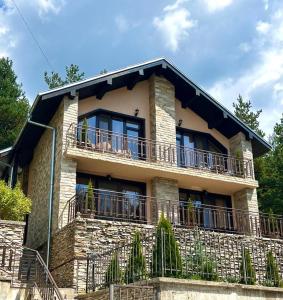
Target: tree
[
  {"x": 84, "y": 130},
  {"x": 14, "y": 205},
  {"x": 243, "y": 110},
  {"x": 136, "y": 269},
  {"x": 113, "y": 273},
  {"x": 14, "y": 106},
  {"x": 166, "y": 258},
  {"x": 272, "y": 271},
  {"x": 90, "y": 204},
  {"x": 72, "y": 75},
  {"x": 247, "y": 271}
]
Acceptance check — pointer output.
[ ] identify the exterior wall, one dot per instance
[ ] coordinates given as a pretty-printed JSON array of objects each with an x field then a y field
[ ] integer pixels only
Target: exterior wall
[
  {"x": 122, "y": 101},
  {"x": 190, "y": 120},
  {"x": 12, "y": 231},
  {"x": 162, "y": 110},
  {"x": 39, "y": 176}
]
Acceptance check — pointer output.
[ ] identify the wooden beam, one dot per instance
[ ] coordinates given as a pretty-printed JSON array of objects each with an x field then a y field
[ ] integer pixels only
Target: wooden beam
[
  {"x": 132, "y": 82},
  {"x": 217, "y": 121},
  {"x": 73, "y": 94},
  {"x": 190, "y": 101},
  {"x": 103, "y": 89}
]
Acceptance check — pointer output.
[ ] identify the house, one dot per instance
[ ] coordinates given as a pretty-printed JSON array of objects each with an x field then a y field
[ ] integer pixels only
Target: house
[{"x": 131, "y": 145}]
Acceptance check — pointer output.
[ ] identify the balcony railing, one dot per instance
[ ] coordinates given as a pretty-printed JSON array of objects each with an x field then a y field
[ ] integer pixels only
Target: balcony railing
[
  {"x": 129, "y": 147},
  {"x": 109, "y": 205}
]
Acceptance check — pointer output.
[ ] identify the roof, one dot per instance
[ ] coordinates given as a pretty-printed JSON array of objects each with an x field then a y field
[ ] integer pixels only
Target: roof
[
  {"x": 4, "y": 160},
  {"x": 190, "y": 94}
]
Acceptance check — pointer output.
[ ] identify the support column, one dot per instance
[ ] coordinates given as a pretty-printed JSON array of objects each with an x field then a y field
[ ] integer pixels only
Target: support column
[{"x": 165, "y": 193}]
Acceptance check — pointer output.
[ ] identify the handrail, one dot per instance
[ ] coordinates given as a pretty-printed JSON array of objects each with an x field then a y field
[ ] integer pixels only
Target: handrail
[
  {"x": 130, "y": 147},
  {"x": 35, "y": 262}
]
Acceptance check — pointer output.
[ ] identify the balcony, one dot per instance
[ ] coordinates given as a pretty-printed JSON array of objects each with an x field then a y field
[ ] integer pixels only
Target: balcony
[
  {"x": 161, "y": 158},
  {"x": 109, "y": 205}
]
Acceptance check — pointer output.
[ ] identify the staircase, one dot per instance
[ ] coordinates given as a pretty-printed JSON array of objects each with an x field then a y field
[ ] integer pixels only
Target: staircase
[{"x": 25, "y": 269}]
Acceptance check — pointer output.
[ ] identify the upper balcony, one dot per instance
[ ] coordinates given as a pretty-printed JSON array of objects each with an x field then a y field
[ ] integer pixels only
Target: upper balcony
[{"x": 110, "y": 152}]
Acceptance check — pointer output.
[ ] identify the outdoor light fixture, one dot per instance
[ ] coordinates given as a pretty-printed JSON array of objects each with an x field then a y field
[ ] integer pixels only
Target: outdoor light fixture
[
  {"x": 137, "y": 112},
  {"x": 180, "y": 122}
]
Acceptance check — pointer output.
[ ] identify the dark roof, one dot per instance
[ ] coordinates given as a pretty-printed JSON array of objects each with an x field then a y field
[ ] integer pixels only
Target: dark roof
[{"x": 190, "y": 94}]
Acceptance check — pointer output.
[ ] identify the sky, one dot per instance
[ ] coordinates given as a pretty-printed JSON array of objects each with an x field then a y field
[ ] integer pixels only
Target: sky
[{"x": 228, "y": 47}]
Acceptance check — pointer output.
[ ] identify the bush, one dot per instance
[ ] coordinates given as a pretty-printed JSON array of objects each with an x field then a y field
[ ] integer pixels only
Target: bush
[
  {"x": 113, "y": 272},
  {"x": 14, "y": 205},
  {"x": 90, "y": 204},
  {"x": 201, "y": 265},
  {"x": 247, "y": 271},
  {"x": 272, "y": 271},
  {"x": 166, "y": 258},
  {"x": 136, "y": 269}
]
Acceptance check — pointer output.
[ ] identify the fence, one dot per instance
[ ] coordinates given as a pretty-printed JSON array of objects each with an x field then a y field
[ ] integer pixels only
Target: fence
[
  {"x": 193, "y": 254},
  {"x": 95, "y": 139},
  {"x": 25, "y": 266}
]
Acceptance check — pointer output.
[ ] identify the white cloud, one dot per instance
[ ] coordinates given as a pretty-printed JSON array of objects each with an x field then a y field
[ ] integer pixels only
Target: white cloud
[
  {"x": 216, "y": 5},
  {"x": 265, "y": 75},
  {"x": 175, "y": 24},
  {"x": 121, "y": 23},
  {"x": 245, "y": 47},
  {"x": 263, "y": 27},
  {"x": 266, "y": 4}
]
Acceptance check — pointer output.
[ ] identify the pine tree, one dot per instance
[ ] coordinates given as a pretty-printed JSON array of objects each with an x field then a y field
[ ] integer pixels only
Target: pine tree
[
  {"x": 113, "y": 273},
  {"x": 89, "y": 204},
  {"x": 166, "y": 258},
  {"x": 136, "y": 268},
  {"x": 272, "y": 271},
  {"x": 247, "y": 271}
]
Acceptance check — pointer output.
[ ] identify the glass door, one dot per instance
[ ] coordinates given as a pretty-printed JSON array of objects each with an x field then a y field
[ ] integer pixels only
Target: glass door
[
  {"x": 117, "y": 135},
  {"x": 132, "y": 132}
]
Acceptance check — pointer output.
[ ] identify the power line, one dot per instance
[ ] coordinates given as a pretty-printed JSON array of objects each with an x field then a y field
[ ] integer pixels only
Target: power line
[{"x": 33, "y": 36}]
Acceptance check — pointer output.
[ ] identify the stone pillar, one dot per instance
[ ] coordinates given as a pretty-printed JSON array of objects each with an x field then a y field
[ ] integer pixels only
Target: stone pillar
[
  {"x": 68, "y": 167},
  {"x": 165, "y": 193},
  {"x": 162, "y": 118}
]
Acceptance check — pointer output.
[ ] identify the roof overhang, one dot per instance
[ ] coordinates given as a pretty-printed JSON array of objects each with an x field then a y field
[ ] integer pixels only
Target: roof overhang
[{"x": 190, "y": 95}]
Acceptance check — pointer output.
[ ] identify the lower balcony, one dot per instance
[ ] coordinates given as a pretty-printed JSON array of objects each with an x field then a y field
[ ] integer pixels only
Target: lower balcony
[{"x": 130, "y": 207}]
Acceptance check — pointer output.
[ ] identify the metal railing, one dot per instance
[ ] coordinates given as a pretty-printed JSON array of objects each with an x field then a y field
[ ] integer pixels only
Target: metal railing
[
  {"x": 99, "y": 140},
  {"x": 191, "y": 254},
  {"x": 26, "y": 266},
  {"x": 110, "y": 205}
]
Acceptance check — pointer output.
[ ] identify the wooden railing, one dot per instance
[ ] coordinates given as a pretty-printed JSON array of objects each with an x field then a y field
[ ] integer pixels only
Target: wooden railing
[
  {"x": 103, "y": 204},
  {"x": 99, "y": 140}
]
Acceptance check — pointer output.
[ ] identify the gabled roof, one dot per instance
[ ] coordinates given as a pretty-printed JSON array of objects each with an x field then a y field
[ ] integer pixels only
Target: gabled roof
[{"x": 189, "y": 93}]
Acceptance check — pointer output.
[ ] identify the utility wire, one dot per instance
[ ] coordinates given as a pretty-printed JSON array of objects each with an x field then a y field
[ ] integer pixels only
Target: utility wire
[{"x": 33, "y": 36}]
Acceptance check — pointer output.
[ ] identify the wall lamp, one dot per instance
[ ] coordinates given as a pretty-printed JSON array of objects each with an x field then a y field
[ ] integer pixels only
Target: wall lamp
[
  {"x": 136, "y": 112},
  {"x": 180, "y": 122}
]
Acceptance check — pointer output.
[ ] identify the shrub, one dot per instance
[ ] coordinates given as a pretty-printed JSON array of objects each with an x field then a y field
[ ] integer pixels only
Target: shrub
[
  {"x": 247, "y": 271},
  {"x": 166, "y": 258},
  {"x": 90, "y": 204},
  {"x": 84, "y": 134},
  {"x": 136, "y": 269},
  {"x": 14, "y": 205},
  {"x": 272, "y": 271},
  {"x": 113, "y": 273},
  {"x": 201, "y": 265}
]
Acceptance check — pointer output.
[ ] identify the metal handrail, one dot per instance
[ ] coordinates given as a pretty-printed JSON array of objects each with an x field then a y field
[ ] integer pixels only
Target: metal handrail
[{"x": 130, "y": 147}]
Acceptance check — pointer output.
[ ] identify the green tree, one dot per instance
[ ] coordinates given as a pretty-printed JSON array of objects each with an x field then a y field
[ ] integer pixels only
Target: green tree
[
  {"x": 90, "y": 204},
  {"x": 272, "y": 271},
  {"x": 243, "y": 110},
  {"x": 166, "y": 258},
  {"x": 14, "y": 205},
  {"x": 73, "y": 74},
  {"x": 113, "y": 273},
  {"x": 84, "y": 133},
  {"x": 136, "y": 269},
  {"x": 270, "y": 175},
  {"x": 247, "y": 271},
  {"x": 14, "y": 106}
]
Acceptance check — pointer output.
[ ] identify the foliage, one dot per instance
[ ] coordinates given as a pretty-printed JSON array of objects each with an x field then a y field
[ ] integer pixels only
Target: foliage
[
  {"x": 247, "y": 271},
  {"x": 243, "y": 112},
  {"x": 136, "y": 268},
  {"x": 166, "y": 258},
  {"x": 272, "y": 271},
  {"x": 269, "y": 174},
  {"x": 201, "y": 265},
  {"x": 72, "y": 75},
  {"x": 113, "y": 273},
  {"x": 90, "y": 196},
  {"x": 14, "y": 205},
  {"x": 14, "y": 106},
  {"x": 84, "y": 130}
]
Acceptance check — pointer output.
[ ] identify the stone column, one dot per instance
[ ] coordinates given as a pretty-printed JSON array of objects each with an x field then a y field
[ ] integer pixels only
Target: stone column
[
  {"x": 162, "y": 118},
  {"x": 165, "y": 193},
  {"x": 245, "y": 199}
]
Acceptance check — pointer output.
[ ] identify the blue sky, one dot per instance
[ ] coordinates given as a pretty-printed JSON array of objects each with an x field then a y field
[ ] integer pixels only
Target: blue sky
[{"x": 226, "y": 46}]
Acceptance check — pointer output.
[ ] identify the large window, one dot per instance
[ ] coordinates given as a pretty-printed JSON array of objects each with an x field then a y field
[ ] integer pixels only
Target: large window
[
  {"x": 193, "y": 148},
  {"x": 116, "y": 132},
  {"x": 207, "y": 210},
  {"x": 114, "y": 198}
]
